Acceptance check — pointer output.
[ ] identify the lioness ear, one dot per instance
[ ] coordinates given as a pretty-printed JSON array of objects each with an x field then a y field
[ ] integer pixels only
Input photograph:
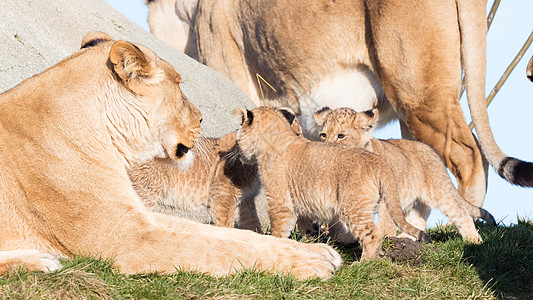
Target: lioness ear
[
  {"x": 245, "y": 115},
  {"x": 321, "y": 114},
  {"x": 133, "y": 66},
  {"x": 94, "y": 38},
  {"x": 291, "y": 117}
]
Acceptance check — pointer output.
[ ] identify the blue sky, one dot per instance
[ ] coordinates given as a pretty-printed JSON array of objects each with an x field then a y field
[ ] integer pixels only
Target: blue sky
[{"x": 510, "y": 114}]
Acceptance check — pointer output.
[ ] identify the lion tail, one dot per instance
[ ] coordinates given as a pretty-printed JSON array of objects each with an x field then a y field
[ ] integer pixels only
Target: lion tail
[
  {"x": 389, "y": 194},
  {"x": 477, "y": 212},
  {"x": 473, "y": 29}
]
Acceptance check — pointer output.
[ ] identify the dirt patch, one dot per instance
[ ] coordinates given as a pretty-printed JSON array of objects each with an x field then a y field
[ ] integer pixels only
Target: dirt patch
[{"x": 404, "y": 250}]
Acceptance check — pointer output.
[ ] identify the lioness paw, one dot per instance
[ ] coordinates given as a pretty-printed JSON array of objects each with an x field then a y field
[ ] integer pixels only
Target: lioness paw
[
  {"x": 327, "y": 252},
  {"x": 33, "y": 260}
]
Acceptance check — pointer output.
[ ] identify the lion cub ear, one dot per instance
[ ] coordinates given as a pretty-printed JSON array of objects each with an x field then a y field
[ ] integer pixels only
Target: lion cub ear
[
  {"x": 291, "y": 118},
  {"x": 372, "y": 114},
  {"x": 245, "y": 115},
  {"x": 133, "y": 66},
  {"x": 321, "y": 114}
]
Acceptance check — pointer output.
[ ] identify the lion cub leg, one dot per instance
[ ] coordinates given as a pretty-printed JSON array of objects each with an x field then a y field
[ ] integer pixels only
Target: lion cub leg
[
  {"x": 360, "y": 221},
  {"x": 385, "y": 222},
  {"x": 223, "y": 200},
  {"x": 247, "y": 211},
  {"x": 416, "y": 216},
  {"x": 460, "y": 217},
  {"x": 280, "y": 212},
  {"x": 227, "y": 192}
]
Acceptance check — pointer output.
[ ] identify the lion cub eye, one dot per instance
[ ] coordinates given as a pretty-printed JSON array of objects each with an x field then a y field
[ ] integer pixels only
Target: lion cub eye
[
  {"x": 323, "y": 136},
  {"x": 340, "y": 136}
]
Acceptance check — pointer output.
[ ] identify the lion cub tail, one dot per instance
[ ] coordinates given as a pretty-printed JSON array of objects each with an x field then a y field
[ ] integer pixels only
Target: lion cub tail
[
  {"x": 473, "y": 26},
  {"x": 477, "y": 212},
  {"x": 389, "y": 194}
]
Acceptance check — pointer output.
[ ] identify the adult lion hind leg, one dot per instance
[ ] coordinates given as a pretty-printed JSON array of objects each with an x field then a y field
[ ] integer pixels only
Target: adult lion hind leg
[
  {"x": 446, "y": 131},
  {"x": 31, "y": 259},
  {"x": 420, "y": 73}
]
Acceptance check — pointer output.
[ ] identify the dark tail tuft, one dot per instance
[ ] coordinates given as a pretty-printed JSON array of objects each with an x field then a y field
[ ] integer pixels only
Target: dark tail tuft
[
  {"x": 517, "y": 171},
  {"x": 487, "y": 216},
  {"x": 424, "y": 237}
]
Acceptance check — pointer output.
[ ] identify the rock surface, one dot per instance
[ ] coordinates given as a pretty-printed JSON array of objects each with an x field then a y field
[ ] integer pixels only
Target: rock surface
[{"x": 36, "y": 34}]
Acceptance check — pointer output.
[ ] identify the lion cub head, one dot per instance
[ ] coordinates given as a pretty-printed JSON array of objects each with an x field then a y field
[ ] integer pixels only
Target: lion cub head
[
  {"x": 144, "y": 104},
  {"x": 346, "y": 126},
  {"x": 270, "y": 129}
]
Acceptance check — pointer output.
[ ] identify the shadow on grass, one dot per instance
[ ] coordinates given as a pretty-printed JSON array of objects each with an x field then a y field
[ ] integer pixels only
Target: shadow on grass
[{"x": 504, "y": 261}]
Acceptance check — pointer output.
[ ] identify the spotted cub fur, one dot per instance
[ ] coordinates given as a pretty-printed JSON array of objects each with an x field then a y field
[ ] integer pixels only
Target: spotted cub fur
[
  {"x": 421, "y": 176},
  {"x": 318, "y": 180},
  {"x": 217, "y": 181}
]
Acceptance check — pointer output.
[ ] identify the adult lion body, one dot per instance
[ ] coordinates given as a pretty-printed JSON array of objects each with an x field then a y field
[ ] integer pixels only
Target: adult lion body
[
  {"x": 67, "y": 136},
  {"x": 352, "y": 54}
]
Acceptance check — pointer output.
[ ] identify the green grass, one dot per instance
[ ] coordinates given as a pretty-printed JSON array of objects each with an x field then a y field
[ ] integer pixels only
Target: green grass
[{"x": 500, "y": 268}]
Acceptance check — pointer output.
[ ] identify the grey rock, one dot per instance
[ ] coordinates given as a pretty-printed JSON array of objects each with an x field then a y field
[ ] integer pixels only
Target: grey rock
[{"x": 36, "y": 34}]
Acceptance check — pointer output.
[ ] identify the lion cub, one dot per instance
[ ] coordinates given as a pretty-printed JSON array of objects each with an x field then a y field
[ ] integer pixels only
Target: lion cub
[
  {"x": 421, "y": 176},
  {"x": 318, "y": 180},
  {"x": 217, "y": 181}
]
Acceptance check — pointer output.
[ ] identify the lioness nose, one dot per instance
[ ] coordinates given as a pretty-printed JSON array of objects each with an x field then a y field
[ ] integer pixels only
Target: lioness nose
[{"x": 181, "y": 150}]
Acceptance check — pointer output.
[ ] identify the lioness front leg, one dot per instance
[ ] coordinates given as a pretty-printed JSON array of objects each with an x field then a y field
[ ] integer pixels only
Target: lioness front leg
[
  {"x": 219, "y": 251},
  {"x": 33, "y": 260}
]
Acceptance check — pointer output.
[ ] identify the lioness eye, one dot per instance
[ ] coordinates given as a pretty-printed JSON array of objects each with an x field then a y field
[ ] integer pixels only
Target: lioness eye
[
  {"x": 340, "y": 136},
  {"x": 323, "y": 136}
]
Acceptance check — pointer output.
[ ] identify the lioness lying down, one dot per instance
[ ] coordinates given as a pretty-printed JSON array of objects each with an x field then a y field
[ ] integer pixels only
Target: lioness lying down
[
  {"x": 68, "y": 136},
  {"x": 420, "y": 174},
  {"x": 316, "y": 180}
]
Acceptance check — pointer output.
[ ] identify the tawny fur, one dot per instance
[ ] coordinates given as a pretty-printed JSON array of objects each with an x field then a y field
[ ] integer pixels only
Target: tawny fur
[
  {"x": 216, "y": 182},
  {"x": 359, "y": 51},
  {"x": 420, "y": 174},
  {"x": 68, "y": 136},
  {"x": 317, "y": 180}
]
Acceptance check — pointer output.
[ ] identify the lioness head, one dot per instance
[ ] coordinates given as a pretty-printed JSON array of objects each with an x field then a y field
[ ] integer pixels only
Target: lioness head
[
  {"x": 346, "y": 126},
  {"x": 265, "y": 128},
  {"x": 145, "y": 105}
]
